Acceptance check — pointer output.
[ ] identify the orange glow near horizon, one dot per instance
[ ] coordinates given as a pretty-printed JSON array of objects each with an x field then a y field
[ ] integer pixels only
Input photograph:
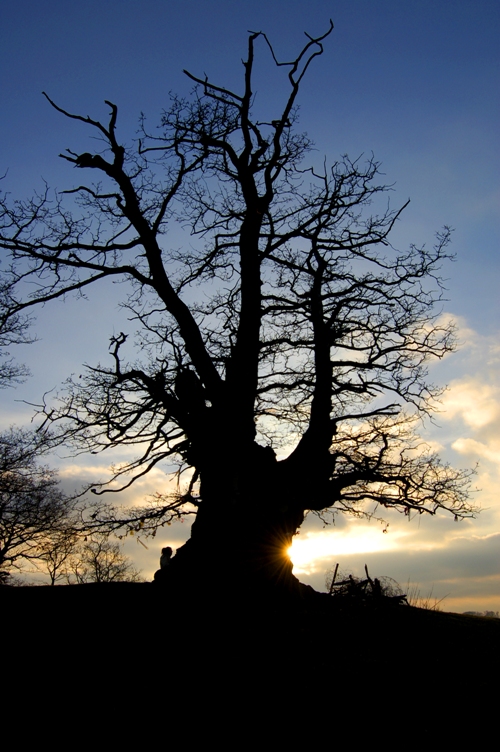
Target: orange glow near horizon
[{"x": 305, "y": 550}]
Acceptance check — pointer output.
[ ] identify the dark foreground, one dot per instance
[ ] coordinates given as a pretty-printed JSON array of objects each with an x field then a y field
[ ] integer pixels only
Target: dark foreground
[{"x": 379, "y": 670}]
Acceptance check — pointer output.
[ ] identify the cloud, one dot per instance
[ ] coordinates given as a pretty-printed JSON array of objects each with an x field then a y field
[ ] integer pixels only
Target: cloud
[
  {"x": 470, "y": 409},
  {"x": 309, "y": 549},
  {"x": 461, "y": 569},
  {"x": 81, "y": 472},
  {"x": 472, "y": 448},
  {"x": 494, "y": 355},
  {"x": 475, "y": 402}
]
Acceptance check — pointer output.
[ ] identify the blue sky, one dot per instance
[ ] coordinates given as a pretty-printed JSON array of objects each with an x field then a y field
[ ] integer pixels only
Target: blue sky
[{"x": 414, "y": 81}]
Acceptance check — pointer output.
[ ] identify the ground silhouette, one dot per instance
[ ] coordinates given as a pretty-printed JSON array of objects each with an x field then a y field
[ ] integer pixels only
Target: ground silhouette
[{"x": 224, "y": 667}]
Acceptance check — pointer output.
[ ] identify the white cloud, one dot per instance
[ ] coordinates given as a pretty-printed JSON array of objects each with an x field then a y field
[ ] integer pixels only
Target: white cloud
[
  {"x": 475, "y": 402},
  {"x": 472, "y": 448}
]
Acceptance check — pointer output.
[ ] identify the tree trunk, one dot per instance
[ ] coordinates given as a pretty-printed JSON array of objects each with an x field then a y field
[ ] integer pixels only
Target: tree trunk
[{"x": 242, "y": 532}]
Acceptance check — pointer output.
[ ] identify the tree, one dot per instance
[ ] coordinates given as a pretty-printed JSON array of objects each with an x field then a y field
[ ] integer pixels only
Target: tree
[
  {"x": 98, "y": 559},
  {"x": 288, "y": 325},
  {"x": 36, "y": 520},
  {"x": 58, "y": 553},
  {"x": 35, "y": 515}
]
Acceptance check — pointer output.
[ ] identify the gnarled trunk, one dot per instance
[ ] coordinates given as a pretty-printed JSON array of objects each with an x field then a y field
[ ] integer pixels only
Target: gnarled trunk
[{"x": 243, "y": 530}]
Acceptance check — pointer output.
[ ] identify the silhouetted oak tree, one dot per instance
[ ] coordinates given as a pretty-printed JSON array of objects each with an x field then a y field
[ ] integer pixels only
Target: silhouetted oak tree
[{"x": 284, "y": 349}]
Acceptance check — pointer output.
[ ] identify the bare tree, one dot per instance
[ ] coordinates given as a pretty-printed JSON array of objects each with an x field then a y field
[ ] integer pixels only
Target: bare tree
[
  {"x": 289, "y": 326},
  {"x": 99, "y": 559},
  {"x": 58, "y": 552},
  {"x": 35, "y": 515}
]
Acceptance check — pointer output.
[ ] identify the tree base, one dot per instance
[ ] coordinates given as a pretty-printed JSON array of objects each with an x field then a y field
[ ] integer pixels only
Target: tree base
[{"x": 192, "y": 576}]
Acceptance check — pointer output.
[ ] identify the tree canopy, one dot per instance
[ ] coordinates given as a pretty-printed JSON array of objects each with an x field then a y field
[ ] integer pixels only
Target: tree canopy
[{"x": 282, "y": 353}]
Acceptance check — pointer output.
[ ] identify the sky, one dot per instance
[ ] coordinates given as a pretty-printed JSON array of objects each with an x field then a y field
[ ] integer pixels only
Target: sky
[{"x": 413, "y": 81}]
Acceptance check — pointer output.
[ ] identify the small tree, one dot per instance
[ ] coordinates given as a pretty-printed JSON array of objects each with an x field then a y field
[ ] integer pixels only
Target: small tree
[
  {"x": 288, "y": 326},
  {"x": 57, "y": 554},
  {"x": 35, "y": 515},
  {"x": 98, "y": 559}
]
